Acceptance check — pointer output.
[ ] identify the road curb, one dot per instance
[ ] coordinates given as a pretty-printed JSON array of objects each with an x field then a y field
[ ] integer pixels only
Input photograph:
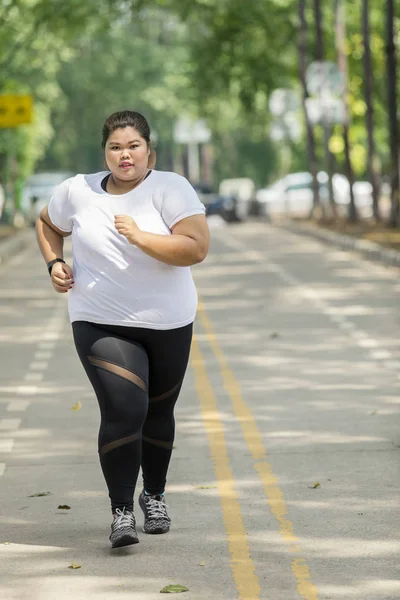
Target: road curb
[
  {"x": 12, "y": 245},
  {"x": 368, "y": 249}
]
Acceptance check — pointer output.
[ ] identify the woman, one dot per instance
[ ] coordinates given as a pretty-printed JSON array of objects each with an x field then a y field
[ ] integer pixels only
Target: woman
[{"x": 132, "y": 303}]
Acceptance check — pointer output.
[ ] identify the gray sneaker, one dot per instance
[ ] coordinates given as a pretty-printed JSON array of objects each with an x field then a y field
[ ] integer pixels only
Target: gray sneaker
[
  {"x": 123, "y": 529},
  {"x": 156, "y": 519}
]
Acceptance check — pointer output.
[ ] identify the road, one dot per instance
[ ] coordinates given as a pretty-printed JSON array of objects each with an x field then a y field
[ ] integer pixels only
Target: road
[{"x": 284, "y": 483}]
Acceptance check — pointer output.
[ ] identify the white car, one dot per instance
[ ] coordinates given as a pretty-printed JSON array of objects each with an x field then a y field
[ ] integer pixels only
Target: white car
[{"x": 293, "y": 195}]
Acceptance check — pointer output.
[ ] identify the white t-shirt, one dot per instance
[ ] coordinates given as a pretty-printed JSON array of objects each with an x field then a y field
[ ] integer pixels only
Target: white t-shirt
[{"x": 116, "y": 283}]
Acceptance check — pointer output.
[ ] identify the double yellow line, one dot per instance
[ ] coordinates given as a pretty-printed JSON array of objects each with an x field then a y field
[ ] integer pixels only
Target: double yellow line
[{"x": 242, "y": 565}]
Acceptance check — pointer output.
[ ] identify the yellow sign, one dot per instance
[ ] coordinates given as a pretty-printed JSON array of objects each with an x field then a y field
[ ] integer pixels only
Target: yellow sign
[{"x": 15, "y": 110}]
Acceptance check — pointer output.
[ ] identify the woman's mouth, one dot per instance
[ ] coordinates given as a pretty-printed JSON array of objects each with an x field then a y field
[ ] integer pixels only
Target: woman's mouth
[{"x": 126, "y": 165}]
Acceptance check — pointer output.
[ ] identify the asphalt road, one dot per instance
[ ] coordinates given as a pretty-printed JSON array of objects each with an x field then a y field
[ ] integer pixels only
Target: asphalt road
[{"x": 284, "y": 482}]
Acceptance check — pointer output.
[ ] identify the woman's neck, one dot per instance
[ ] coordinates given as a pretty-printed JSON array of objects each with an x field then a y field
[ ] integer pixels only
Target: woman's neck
[{"x": 118, "y": 186}]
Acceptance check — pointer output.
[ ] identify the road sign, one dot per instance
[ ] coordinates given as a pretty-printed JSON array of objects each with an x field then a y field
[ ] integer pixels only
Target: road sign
[
  {"x": 324, "y": 76},
  {"x": 328, "y": 110},
  {"x": 287, "y": 128},
  {"x": 15, "y": 110},
  {"x": 191, "y": 132},
  {"x": 283, "y": 100}
]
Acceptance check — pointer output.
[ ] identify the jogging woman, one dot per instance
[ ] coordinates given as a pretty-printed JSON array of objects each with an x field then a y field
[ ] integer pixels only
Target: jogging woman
[{"x": 132, "y": 302}]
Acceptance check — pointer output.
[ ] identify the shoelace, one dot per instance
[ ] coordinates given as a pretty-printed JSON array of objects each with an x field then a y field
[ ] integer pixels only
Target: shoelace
[
  {"x": 123, "y": 518},
  {"x": 156, "y": 508}
]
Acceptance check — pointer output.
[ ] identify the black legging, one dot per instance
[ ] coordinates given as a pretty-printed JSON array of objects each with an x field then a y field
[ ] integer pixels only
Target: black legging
[{"x": 137, "y": 375}]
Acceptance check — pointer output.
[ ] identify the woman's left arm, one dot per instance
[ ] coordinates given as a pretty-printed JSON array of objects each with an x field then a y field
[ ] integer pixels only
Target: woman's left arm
[{"x": 188, "y": 244}]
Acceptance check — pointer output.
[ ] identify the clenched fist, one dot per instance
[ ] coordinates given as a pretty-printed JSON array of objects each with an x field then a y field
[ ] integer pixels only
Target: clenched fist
[
  {"x": 62, "y": 277},
  {"x": 127, "y": 227}
]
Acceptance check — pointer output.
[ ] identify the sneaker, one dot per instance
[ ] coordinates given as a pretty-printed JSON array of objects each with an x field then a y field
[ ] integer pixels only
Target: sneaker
[
  {"x": 123, "y": 529},
  {"x": 156, "y": 519}
]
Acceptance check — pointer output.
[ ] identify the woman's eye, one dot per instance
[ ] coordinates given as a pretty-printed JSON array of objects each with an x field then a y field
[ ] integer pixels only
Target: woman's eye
[{"x": 134, "y": 146}]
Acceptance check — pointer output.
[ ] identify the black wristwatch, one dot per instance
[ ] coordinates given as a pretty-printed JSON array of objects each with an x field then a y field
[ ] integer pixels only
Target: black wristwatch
[{"x": 53, "y": 262}]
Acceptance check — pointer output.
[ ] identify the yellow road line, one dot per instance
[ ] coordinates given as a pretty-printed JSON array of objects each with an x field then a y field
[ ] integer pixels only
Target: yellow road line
[
  {"x": 242, "y": 566},
  {"x": 253, "y": 438}
]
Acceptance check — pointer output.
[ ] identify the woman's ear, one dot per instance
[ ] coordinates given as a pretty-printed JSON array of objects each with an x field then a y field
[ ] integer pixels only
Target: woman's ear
[{"x": 151, "y": 163}]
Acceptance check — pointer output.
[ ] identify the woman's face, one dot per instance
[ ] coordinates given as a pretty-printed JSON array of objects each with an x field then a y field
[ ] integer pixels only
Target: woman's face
[{"x": 127, "y": 153}]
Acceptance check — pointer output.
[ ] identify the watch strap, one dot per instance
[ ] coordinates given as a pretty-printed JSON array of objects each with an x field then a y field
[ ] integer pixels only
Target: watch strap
[{"x": 53, "y": 262}]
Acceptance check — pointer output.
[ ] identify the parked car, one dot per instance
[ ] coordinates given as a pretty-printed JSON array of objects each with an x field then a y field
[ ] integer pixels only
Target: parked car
[
  {"x": 38, "y": 190},
  {"x": 241, "y": 192},
  {"x": 211, "y": 199},
  {"x": 293, "y": 195}
]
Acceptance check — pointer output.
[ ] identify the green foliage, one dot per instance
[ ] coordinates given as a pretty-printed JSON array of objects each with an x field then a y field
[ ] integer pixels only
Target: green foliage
[
  {"x": 215, "y": 59},
  {"x": 36, "y": 39}
]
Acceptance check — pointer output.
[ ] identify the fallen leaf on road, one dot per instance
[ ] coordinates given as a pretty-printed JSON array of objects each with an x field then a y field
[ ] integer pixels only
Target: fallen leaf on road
[
  {"x": 74, "y": 566},
  {"x": 274, "y": 335},
  {"x": 202, "y": 564},
  {"x": 77, "y": 406},
  {"x": 64, "y": 507},
  {"x": 6, "y": 543},
  {"x": 315, "y": 486},
  {"x": 40, "y": 494},
  {"x": 174, "y": 589}
]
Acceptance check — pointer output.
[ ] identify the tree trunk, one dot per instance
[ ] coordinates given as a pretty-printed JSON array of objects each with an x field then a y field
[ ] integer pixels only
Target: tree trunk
[
  {"x": 392, "y": 111},
  {"x": 302, "y": 50},
  {"x": 340, "y": 24},
  {"x": 319, "y": 42},
  {"x": 369, "y": 79},
  {"x": 320, "y": 56}
]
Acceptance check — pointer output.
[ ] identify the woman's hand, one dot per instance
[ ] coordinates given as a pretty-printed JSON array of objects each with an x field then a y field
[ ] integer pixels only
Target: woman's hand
[
  {"x": 127, "y": 227},
  {"x": 62, "y": 277}
]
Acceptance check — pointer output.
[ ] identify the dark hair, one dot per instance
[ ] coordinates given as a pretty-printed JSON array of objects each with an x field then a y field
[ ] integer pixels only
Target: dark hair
[{"x": 126, "y": 118}]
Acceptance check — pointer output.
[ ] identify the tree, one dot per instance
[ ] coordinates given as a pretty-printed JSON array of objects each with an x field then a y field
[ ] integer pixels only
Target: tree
[
  {"x": 392, "y": 113},
  {"x": 36, "y": 39},
  {"x": 302, "y": 49},
  {"x": 368, "y": 84},
  {"x": 320, "y": 56},
  {"x": 342, "y": 62}
]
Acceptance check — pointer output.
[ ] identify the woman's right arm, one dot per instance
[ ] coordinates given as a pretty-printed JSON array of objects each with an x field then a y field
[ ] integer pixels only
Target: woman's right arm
[{"x": 51, "y": 244}]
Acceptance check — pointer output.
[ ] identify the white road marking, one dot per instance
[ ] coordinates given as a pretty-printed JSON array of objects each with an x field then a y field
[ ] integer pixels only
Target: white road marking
[
  {"x": 368, "y": 343},
  {"x": 2, "y": 468},
  {"x": 33, "y": 376},
  {"x": 27, "y": 390},
  {"x": 38, "y": 366},
  {"x": 51, "y": 336},
  {"x": 9, "y": 424},
  {"x": 6, "y": 445},
  {"x": 380, "y": 354},
  {"x": 46, "y": 345},
  {"x": 18, "y": 405},
  {"x": 42, "y": 355}
]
